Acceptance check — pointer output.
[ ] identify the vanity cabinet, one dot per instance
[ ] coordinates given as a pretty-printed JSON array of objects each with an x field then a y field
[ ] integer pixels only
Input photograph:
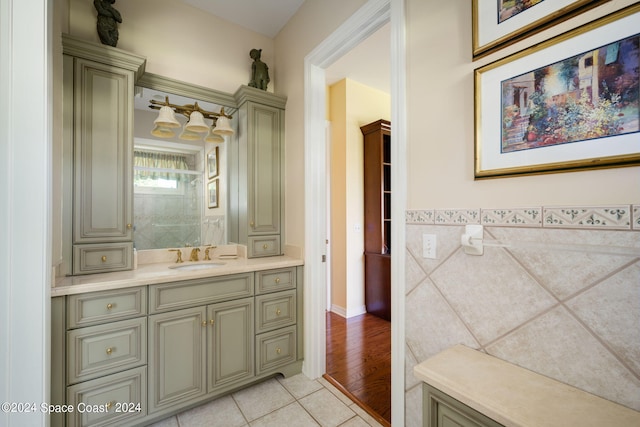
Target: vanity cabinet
[
  {"x": 256, "y": 193},
  {"x": 99, "y": 357},
  {"x": 165, "y": 347},
  {"x": 442, "y": 410},
  {"x": 98, "y": 92},
  {"x": 196, "y": 351}
]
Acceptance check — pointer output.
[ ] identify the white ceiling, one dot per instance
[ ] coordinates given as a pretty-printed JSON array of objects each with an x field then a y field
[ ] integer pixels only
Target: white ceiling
[{"x": 368, "y": 63}]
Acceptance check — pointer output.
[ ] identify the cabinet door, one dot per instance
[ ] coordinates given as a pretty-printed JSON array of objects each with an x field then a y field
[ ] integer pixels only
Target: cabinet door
[
  {"x": 103, "y": 150},
  {"x": 230, "y": 338},
  {"x": 263, "y": 180},
  {"x": 177, "y": 357}
]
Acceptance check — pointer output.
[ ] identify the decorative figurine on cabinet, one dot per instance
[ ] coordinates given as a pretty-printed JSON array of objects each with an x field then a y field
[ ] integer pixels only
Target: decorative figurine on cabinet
[
  {"x": 108, "y": 18},
  {"x": 259, "y": 71}
]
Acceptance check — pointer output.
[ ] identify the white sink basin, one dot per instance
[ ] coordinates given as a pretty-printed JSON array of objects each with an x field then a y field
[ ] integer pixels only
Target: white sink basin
[{"x": 199, "y": 266}]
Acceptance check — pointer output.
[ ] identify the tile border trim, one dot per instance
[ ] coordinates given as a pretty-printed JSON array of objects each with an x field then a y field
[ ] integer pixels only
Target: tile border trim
[{"x": 614, "y": 217}]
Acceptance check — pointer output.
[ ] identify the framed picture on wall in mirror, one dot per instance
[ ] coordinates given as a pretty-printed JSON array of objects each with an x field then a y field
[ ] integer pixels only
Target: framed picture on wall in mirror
[
  {"x": 499, "y": 23},
  {"x": 567, "y": 104},
  {"x": 212, "y": 192},
  {"x": 212, "y": 163}
]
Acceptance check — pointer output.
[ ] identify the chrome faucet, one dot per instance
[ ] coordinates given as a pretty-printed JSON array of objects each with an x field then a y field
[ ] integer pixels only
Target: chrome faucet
[{"x": 194, "y": 254}]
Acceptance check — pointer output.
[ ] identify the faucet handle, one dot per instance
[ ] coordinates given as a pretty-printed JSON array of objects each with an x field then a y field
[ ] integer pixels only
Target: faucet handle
[
  {"x": 179, "y": 259},
  {"x": 206, "y": 252}
]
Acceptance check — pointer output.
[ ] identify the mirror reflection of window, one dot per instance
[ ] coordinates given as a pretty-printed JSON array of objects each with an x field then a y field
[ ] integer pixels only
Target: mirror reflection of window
[{"x": 167, "y": 199}]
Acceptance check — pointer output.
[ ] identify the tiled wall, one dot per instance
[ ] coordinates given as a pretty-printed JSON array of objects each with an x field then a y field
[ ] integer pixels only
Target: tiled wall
[{"x": 570, "y": 315}]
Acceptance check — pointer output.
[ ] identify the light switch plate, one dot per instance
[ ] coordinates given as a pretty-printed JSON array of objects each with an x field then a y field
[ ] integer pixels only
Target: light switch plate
[{"x": 429, "y": 246}]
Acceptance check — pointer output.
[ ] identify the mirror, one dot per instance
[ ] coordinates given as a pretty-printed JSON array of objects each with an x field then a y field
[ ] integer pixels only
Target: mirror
[{"x": 180, "y": 186}]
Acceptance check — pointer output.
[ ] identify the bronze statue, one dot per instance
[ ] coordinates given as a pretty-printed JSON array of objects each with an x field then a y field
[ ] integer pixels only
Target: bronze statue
[
  {"x": 108, "y": 17},
  {"x": 259, "y": 71}
]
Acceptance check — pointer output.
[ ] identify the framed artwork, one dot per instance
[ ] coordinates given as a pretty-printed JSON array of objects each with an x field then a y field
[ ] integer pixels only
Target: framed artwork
[
  {"x": 212, "y": 163},
  {"x": 498, "y": 23},
  {"x": 212, "y": 191},
  {"x": 567, "y": 104}
]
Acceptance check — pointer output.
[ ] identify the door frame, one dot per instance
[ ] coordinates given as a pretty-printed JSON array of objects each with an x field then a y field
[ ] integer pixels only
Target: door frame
[{"x": 366, "y": 21}]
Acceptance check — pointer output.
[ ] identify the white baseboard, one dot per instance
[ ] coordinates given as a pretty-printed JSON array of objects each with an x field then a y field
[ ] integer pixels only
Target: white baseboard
[{"x": 341, "y": 311}]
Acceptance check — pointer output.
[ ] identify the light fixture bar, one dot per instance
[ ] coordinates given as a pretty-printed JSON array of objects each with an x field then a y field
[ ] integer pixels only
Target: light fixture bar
[{"x": 187, "y": 109}]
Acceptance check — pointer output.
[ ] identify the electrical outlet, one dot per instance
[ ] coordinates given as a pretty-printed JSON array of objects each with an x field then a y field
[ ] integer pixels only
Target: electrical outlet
[{"x": 429, "y": 246}]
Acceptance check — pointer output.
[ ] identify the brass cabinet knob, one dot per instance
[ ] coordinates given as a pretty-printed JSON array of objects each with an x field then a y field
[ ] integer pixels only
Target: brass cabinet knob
[
  {"x": 265, "y": 246},
  {"x": 129, "y": 226},
  {"x": 252, "y": 224},
  {"x": 109, "y": 351},
  {"x": 212, "y": 322},
  {"x": 204, "y": 323},
  {"x": 277, "y": 280},
  {"x": 109, "y": 306},
  {"x": 110, "y": 405},
  {"x": 278, "y": 350},
  {"x": 104, "y": 258},
  {"x": 278, "y": 312}
]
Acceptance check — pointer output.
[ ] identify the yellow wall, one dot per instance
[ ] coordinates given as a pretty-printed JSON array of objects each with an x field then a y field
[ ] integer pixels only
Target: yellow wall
[{"x": 352, "y": 105}]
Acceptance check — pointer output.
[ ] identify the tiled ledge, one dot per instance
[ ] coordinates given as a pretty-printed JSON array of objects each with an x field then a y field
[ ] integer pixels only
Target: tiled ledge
[{"x": 617, "y": 217}]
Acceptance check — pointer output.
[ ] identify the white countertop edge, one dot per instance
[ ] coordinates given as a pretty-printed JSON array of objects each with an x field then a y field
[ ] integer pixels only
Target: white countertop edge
[
  {"x": 149, "y": 274},
  {"x": 516, "y": 397}
]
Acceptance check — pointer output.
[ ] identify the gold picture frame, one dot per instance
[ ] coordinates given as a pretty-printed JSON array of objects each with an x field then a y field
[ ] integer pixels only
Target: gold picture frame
[
  {"x": 497, "y": 24},
  {"x": 212, "y": 163},
  {"x": 212, "y": 193},
  {"x": 559, "y": 106}
]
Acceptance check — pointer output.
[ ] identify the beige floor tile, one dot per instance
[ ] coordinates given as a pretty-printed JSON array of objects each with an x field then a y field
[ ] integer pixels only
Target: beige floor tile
[
  {"x": 299, "y": 385},
  {"x": 261, "y": 399},
  {"x": 220, "y": 412},
  {"x": 290, "y": 415},
  {"x": 326, "y": 408}
]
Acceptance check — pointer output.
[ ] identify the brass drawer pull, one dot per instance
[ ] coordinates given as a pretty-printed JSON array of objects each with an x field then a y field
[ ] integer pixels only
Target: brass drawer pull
[
  {"x": 278, "y": 312},
  {"x": 110, "y": 405},
  {"x": 109, "y": 306},
  {"x": 104, "y": 258},
  {"x": 109, "y": 351},
  {"x": 212, "y": 322},
  {"x": 265, "y": 246},
  {"x": 129, "y": 226},
  {"x": 278, "y": 350},
  {"x": 277, "y": 280},
  {"x": 204, "y": 323}
]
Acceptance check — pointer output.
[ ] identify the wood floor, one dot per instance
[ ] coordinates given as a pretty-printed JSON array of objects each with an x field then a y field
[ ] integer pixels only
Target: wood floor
[{"x": 359, "y": 361}]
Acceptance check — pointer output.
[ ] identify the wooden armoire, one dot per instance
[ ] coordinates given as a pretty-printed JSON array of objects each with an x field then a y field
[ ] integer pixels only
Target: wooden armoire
[{"x": 377, "y": 217}]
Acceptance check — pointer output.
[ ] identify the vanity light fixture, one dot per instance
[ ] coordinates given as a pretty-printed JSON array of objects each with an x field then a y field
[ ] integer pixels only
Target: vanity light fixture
[{"x": 196, "y": 125}]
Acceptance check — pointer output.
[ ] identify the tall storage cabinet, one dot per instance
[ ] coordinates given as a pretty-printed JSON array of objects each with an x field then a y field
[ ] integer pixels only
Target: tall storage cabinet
[
  {"x": 377, "y": 217},
  {"x": 256, "y": 199},
  {"x": 98, "y": 96}
]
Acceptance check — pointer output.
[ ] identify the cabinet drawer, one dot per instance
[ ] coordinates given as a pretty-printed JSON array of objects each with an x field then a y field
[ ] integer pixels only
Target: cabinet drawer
[
  {"x": 171, "y": 296},
  {"x": 441, "y": 410},
  {"x": 275, "y": 310},
  {"x": 105, "y": 349},
  {"x": 276, "y": 348},
  {"x": 259, "y": 246},
  {"x": 100, "y": 258},
  {"x": 275, "y": 280},
  {"x": 101, "y": 307},
  {"x": 116, "y": 400}
]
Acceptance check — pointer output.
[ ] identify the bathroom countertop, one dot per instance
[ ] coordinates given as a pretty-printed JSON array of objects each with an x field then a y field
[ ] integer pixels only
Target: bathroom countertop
[
  {"x": 514, "y": 396},
  {"x": 149, "y": 274}
]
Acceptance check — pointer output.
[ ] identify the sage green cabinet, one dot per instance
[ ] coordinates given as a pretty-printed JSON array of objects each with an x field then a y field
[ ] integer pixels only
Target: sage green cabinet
[
  {"x": 441, "y": 410},
  {"x": 177, "y": 362},
  {"x": 256, "y": 166},
  {"x": 98, "y": 95},
  {"x": 99, "y": 357},
  {"x": 173, "y": 345},
  {"x": 197, "y": 350}
]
